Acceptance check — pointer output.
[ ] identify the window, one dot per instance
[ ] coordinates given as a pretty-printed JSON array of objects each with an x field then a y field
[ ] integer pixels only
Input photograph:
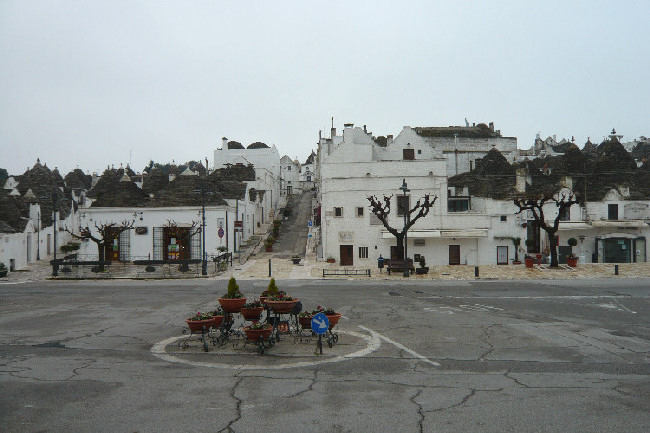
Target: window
[
  {"x": 612, "y": 211},
  {"x": 419, "y": 151},
  {"x": 458, "y": 204},
  {"x": 359, "y": 211},
  {"x": 289, "y": 168},
  {"x": 308, "y": 178},
  {"x": 504, "y": 218},
  {"x": 338, "y": 211},
  {"x": 408, "y": 154},
  {"x": 363, "y": 252},
  {"x": 403, "y": 204}
]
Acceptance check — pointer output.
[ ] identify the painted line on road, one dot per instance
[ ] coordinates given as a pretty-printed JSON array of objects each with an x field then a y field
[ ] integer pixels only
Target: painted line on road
[
  {"x": 373, "y": 343},
  {"x": 400, "y": 346},
  {"x": 623, "y": 307},
  {"x": 533, "y": 297}
]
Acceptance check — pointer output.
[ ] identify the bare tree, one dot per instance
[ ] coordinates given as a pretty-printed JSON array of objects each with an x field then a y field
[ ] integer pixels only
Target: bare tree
[
  {"x": 193, "y": 229},
  {"x": 535, "y": 204},
  {"x": 382, "y": 209},
  {"x": 106, "y": 233}
]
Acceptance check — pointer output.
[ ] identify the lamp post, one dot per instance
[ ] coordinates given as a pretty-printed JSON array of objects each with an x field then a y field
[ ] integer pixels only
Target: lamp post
[
  {"x": 55, "y": 265},
  {"x": 204, "y": 262},
  {"x": 404, "y": 189}
]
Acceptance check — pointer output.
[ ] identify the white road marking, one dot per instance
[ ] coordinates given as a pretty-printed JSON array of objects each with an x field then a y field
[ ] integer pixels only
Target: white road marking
[
  {"x": 400, "y": 346},
  {"x": 623, "y": 307},
  {"x": 529, "y": 297},
  {"x": 372, "y": 343},
  {"x": 436, "y": 310}
]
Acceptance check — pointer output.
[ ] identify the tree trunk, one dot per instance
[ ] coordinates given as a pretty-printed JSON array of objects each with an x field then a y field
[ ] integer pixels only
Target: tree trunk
[
  {"x": 101, "y": 249},
  {"x": 553, "y": 245},
  {"x": 400, "y": 246}
]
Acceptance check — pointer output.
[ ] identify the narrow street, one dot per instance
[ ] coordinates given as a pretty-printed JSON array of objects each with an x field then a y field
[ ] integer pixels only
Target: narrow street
[{"x": 293, "y": 232}]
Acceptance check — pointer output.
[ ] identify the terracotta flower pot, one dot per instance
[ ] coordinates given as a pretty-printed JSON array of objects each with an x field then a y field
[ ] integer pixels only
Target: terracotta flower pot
[
  {"x": 305, "y": 321},
  {"x": 572, "y": 261},
  {"x": 199, "y": 325},
  {"x": 217, "y": 321},
  {"x": 529, "y": 262},
  {"x": 252, "y": 313},
  {"x": 281, "y": 306},
  {"x": 232, "y": 305},
  {"x": 333, "y": 319},
  {"x": 255, "y": 334}
]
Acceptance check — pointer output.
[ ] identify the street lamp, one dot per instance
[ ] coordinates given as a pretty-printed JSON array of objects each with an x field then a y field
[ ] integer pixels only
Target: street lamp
[
  {"x": 204, "y": 261},
  {"x": 404, "y": 190}
]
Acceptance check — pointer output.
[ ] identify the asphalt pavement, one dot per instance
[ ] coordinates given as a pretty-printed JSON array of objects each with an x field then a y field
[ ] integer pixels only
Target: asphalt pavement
[{"x": 412, "y": 356}]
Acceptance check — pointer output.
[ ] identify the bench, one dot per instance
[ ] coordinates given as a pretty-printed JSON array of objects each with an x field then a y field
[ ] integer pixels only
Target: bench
[
  {"x": 399, "y": 265},
  {"x": 327, "y": 272},
  {"x": 167, "y": 264},
  {"x": 96, "y": 265}
]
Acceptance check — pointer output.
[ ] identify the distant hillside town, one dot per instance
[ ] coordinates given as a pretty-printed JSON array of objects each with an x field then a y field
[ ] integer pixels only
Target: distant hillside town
[{"x": 478, "y": 179}]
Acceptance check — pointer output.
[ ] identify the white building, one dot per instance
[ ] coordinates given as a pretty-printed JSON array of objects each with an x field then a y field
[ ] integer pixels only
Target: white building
[
  {"x": 454, "y": 232},
  {"x": 266, "y": 161},
  {"x": 307, "y": 173},
  {"x": 289, "y": 176}
]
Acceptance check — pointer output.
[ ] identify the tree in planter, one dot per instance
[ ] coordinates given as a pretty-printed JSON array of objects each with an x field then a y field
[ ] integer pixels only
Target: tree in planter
[
  {"x": 535, "y": 204},
  {"x": 381, "y": 209},
  {"x": 572, "y": 242},
  {"x": 516, "y": 242},
  {"x": 106, "y": 233}
]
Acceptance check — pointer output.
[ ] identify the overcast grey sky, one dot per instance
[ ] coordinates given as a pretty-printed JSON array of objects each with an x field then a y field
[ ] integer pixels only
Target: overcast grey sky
[{"x": 86, "y": 83}]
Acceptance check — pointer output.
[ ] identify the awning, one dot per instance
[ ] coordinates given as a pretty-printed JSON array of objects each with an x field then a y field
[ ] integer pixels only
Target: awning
[
  {"x": 464, "y": 233},
  {"x": 567, "y": 225},
  {"x": 412, "y": 234},
  {"x": 621, "y": 224}
]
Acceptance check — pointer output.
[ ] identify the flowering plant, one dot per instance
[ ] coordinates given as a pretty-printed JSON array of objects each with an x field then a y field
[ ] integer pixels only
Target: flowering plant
[
  {"x": 305, "y": 314},
  {"x": 258, "y": 325},
  {"x": 281, "y": 296},
  {"x": 325, "y": 310},
  {"x": 253, "y": 304},
  {"x": 201, "y": 316}
]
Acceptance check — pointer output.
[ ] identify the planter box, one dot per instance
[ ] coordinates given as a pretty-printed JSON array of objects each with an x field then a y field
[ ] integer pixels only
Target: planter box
[
  {"x": 281, "y": 306},
  {"x": 231, "y": 305},
  {"x": 422, "y": 271}
]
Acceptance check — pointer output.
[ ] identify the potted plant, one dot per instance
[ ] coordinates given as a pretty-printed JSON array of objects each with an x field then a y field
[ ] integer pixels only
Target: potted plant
[
  {"x": 252, "y": 310},
  {"x": 331, "y": 259},
  {"x": 222, "y": 249},
  {"x": 423, "y": 269},
  {"x": 304, "y": 318},
  {"x": 200, "y": 322},
  {"x": 332, "y": 316},
  {"x": 271, "y": 290},
  {"x": 296, "y": 259},
  {"x": 258, "y": 331},
  {"x": 516, "y": 242},
  {"x": 278, "y": 300},
  {"x": 268, "y": 243},
  {"x": 232, "y": 301},
  {"x": 3, "y": 270},
  {"x": 571, "y": 259}
]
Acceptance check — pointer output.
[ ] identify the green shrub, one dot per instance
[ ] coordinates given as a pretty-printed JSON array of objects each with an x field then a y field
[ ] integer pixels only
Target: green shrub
[
  {"x": 233, "y": 289},
  {"x": 272, "y": 289}
]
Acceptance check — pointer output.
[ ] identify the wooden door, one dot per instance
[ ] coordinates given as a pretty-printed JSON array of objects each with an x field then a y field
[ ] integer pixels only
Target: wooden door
[
  {"x": 347, "y": 255},
  {"x": 454, "y": 254},
  {"x": 502, "y": 255},
  {"x": 176, "y": 241},
  {"x": 112, "y": 246}
]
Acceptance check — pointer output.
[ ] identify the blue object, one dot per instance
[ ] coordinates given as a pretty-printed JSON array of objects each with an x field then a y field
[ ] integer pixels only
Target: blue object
[
  {"x": 320, "y": 324},
  {"x": 220, "y": 233},
  {"x": 309, "y": 223}
]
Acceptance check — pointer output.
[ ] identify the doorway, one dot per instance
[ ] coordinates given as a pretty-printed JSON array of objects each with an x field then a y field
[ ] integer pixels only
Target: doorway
[
  {"x": 454, "y": 254},
  {"x": 502, "y": 255},
  {"x": 347, "y": 255},
  {"x": 176, "y": 241}
]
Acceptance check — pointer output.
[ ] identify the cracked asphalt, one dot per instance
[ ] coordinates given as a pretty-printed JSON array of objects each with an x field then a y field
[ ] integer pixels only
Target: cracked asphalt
[{"x": 468, "y": 356}]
